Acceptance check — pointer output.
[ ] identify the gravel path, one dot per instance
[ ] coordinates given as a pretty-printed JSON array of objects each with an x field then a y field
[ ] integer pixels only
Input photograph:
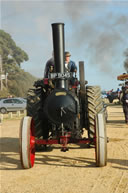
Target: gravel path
[{"x": 71, "y": 172}]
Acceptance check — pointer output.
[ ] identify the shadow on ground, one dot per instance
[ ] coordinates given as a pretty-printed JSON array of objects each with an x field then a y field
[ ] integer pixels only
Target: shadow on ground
[
  {"x": 10, "y": 150},
  {"x": 116, "y": 122}
]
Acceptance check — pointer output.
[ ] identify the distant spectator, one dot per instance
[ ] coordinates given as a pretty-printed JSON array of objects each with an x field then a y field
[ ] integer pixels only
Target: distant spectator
[
  {"x": 118, "y": 91},
  {"x": 125, "y": 101}
]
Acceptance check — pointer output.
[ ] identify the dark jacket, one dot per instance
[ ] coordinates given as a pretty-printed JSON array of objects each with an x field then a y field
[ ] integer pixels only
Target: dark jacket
[
  {"x": 125, "y": 96},
  {"x": 49, "y": 63},
  {"x": 72, "y": 66}
]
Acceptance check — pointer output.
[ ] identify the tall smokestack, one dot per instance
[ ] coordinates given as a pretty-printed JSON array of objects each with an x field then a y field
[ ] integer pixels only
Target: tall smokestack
[{"x": 59, "y": 49}]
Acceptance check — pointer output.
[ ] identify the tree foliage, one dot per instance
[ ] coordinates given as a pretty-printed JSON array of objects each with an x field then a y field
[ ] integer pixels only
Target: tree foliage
[
  {"x": 19, "y": 81},
  {"x": 12, "y": 55}
]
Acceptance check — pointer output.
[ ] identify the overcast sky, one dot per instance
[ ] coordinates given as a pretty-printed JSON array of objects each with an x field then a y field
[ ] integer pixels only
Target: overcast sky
[{"x": 96, "y": 32}]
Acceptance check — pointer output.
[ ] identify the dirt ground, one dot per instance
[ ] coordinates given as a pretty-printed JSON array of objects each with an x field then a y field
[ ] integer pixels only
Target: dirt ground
[{"x": 71, "y": 172}]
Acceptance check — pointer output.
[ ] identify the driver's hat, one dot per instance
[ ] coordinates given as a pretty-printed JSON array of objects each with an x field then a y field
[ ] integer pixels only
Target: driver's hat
[{"x": 67, "y": 54}]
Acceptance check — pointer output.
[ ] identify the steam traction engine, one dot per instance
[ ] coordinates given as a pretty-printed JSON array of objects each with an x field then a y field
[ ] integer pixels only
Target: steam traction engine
[{"x": 60, "y": 108}]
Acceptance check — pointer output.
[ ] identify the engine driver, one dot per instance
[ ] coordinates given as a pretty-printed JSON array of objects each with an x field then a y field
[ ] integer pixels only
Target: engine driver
[{"x": 70, "y": 65}]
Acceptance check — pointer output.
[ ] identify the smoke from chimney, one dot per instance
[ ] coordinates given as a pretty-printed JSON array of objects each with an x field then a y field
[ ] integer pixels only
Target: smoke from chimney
[
  {"x": 126, "y": 60},
  {"x": 100, "y": 38}
]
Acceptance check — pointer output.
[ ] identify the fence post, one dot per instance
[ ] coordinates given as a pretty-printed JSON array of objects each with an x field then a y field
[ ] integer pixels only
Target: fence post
[
  {"x": 10, "y": 115},
  {"x": 25, "y": 112},
  {"x": 18, "y": 113},
  {"x": 1, "y": 118}
]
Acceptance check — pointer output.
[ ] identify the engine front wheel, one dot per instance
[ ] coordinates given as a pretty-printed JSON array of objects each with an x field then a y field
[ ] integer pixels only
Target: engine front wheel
[
  {"x": 27, "y": 142},
  {"x": 101, "y": 141}
]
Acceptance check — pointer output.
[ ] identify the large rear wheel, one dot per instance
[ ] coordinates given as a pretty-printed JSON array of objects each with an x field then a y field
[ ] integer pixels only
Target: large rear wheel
[
  {"x": 34, "y": 105},
  {"x": 35, "y": 101},
  {"x": 94, "y": 106}
]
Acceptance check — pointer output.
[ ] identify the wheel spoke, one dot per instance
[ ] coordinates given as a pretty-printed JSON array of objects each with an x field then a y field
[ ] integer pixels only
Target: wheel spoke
[{"x": 32, "y": 142}]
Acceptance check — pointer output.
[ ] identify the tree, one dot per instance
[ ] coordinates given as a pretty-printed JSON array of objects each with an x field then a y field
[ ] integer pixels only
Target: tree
[
  {"x": 11, "y": 54},
  {"x": 19, "y": 81}
]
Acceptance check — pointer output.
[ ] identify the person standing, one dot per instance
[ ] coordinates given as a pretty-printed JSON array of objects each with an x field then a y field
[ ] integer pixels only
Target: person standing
[
  {"x": 118, "y": 92},
  {"x": 125, "y": 101}
]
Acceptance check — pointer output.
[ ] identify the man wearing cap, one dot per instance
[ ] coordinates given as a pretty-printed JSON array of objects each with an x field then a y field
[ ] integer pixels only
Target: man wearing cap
[
  {"x": 125, "y": 101},
  {"x": 70, "y": 66}
]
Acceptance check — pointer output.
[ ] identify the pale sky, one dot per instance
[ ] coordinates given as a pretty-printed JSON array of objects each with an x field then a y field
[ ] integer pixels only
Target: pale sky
[{"x": 96, "y": 32}]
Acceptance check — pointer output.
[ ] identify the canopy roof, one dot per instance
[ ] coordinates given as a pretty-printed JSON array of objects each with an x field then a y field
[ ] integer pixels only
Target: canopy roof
[{"x": 122, "y": 77}]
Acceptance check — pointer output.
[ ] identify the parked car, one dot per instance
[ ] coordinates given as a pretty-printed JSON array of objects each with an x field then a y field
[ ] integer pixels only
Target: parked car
[
  {"x": 11, "y": 104},
  {"x": 22, "y": 99}
]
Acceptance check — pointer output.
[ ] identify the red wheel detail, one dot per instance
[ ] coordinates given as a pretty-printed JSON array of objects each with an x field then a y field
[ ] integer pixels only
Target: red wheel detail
[{"x": 32, "y": 144}]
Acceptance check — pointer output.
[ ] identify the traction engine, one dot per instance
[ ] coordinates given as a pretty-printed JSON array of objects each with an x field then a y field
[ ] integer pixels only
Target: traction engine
[{"x": 61, "y": 108}]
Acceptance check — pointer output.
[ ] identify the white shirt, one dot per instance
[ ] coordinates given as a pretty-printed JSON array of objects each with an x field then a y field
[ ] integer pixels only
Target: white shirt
[{"x": 66, "y": 65}]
